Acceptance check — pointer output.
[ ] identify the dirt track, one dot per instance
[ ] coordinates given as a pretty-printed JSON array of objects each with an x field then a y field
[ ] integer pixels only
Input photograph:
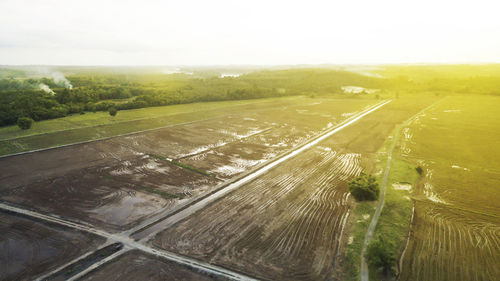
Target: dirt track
[{"x": 119, "y": 238}]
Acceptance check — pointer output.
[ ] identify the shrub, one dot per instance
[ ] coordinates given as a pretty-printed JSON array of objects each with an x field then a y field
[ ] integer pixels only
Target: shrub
[
  {"x": 25, "y": 123},
  {"x": 364, "y": 187},
  {"x": 112, "y": 111},
  {"x": 419, "y": 170},
  {"x": 381, "y": 254}
]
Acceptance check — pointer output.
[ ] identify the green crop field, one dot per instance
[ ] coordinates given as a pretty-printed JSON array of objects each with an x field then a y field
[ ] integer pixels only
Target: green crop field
[
  {"x": 455, "y": 233},
  {"x": 444, "y": 223}
]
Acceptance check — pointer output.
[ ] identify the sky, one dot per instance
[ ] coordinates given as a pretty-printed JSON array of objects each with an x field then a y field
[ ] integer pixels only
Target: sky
[{"x": 188, "y": 32}]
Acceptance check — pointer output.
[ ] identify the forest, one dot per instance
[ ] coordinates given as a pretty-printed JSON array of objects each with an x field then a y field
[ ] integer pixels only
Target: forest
[{"x": 42, "y": 97}]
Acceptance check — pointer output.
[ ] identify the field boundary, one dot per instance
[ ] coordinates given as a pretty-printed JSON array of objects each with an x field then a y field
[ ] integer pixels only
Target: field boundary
[
  {"x": 147, "y": 118},
  {"x": 105, "y": 138}
]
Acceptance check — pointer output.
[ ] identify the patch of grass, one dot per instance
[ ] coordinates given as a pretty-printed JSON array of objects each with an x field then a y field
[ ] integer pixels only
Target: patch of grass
[
  {"x": 93, "y": 119},
  {"x": 376, "y": 164},
  {"x": 93, "y": 126},
  {"x": 185, "y": 166},
  {"x": 395, "y": 219},
  {"x": 357, "y": 232},
  {"x": 72, "y": 269},
  {"x": 360, "y": 224}
]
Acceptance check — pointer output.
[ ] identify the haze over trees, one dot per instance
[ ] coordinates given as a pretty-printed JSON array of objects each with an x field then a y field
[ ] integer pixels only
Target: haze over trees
[
  {"x": 98, "y": 89},
  {"x": 43, "y": 98}
]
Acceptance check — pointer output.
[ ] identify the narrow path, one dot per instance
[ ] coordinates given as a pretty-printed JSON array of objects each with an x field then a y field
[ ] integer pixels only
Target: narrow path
[
  {"x": 378, "y": 211},
  {"x": 380, "y": 206}
]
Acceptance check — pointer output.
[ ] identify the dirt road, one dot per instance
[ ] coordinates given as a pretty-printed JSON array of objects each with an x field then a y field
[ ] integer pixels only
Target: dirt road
[
  {"x": 378, "y": 211},
  {"x": 380, "y": 206},
  {"x": 131, "y": 244}
]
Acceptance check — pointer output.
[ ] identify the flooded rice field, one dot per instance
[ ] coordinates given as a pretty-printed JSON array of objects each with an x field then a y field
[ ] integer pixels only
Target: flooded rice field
[
  {"x": 118, "y": 185},
  {"x": 29, "y": 248},
  {"x": 135, "y": 265},
  {"x": 286, "y": 224},
  {"x": 115, "y": 184}
]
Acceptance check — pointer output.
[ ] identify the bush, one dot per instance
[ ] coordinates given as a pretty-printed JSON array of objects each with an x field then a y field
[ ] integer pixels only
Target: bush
[
  {"x": 364, "y": 187},
  {"x": 419, "y": 170},
  {"x": 25, "y": 123},
  {"x": 112, "y": 111},
  {"x": 381, "y": 254}
]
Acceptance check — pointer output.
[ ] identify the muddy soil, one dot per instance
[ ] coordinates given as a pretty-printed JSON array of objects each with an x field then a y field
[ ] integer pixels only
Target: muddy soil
[
  {"x": 115, "y": 184},
  {"x": 82, "y": 264},
  {"x": 289, "y": 223},
  {"x": 286, "y": 225},
  {"x": 135, "y": 265},
  {"x": 114, "y": 198},
  {"x": 30, "y": 248}
]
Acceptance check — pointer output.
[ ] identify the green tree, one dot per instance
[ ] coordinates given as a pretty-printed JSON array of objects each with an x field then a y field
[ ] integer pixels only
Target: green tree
[
  {"x": 112, "y": 111},
  {"x": 364, "y": 187},
  {"x": 381, "y": 254},
  {"x": 25, "y": 123}
]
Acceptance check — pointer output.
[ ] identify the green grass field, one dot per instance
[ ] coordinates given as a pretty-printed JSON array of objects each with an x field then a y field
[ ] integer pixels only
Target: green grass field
[
  {"x": 92, "y": 119},
  {"x": 99, "y": 125}
]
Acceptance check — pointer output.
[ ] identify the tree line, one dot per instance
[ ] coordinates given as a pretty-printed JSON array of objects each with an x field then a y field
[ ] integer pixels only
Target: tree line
[{"x": 100, "y": 91}]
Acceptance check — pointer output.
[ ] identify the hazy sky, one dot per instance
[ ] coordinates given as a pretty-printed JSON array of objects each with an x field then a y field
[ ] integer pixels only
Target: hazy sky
[{"x": 147, "y": 32}]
